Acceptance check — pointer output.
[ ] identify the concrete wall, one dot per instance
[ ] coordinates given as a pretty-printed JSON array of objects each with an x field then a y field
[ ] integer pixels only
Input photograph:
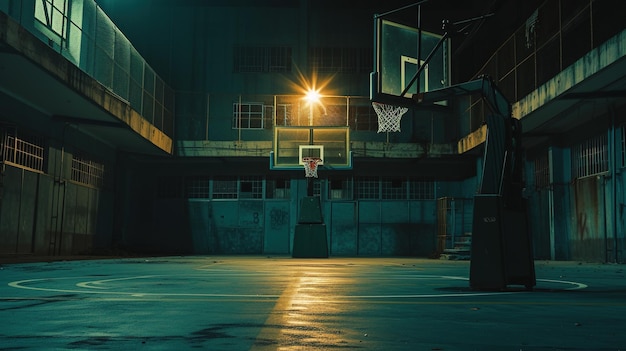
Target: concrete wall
[
  {"x": 266, "y": 226},
  {"x": 40, "y": 215},
  {"x": 579, "y": 218},
  {"x": 44, "y": 212}
]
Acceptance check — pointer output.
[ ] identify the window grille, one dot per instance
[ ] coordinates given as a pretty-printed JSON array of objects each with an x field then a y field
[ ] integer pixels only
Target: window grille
[
  {"x": 262, "y": 59},
  {"x": 248, "y": 115},
  {"x": 345, "y": 60},
  {"x": 590, "y": 157},
  {"x": 421, "y": 190},
  {"x": 279, "y": 59},
  {"x": 23, "y": 150},
  {"x": 251, "y": 188},
  {"x": 368, "y": 188},
  {"x": 198, "y": 187},
  {"x": 394, "y": 188},
  {"x": 277, "y": 189},
  {"x": 340, "y": 189},
  {"x": 249, "y": 59},
  {"x": 87, "y": 171},
  {"x": 225, "y": 188},
  {"x": 542, "y": 171}
]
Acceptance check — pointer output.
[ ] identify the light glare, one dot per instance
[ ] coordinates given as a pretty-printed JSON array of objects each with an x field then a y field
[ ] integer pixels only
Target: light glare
[{"x": 312, "y": 96}]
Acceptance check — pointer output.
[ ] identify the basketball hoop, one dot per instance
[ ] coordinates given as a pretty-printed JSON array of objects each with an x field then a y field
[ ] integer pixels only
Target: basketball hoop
[
  {"x": 310, "y": 166},
  {"x": 388, "y": 116}
]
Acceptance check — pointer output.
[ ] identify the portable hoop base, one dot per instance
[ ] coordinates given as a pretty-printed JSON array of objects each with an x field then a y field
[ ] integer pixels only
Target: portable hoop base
[{"x": 309, "y": 239}]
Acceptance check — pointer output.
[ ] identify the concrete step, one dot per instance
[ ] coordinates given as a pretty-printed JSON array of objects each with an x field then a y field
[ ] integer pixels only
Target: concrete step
[{"x": 455, "y": 254}]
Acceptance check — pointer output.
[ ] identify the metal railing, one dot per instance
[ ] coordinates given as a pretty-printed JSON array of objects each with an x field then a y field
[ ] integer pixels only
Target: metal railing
[{"x": 80, "y": 31}]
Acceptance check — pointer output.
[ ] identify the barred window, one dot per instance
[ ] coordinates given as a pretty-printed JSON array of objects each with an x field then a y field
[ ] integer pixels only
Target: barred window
[
  {"x": 368, "y": 188},
  {"x": 225, "y": 188},
  {"x": 251, "y": 188},
  {"x": 279, "y": 59},
  {"x": 340, "y": 189},
  {"x": 248, "y": 115},
  {"x": 87, "y": 171},
  {"x": 23, "y": 150},
  {"x": 421, "y": 190},
  {"x": 249, "y": 59},
  {"x": 262, "y": 59},
  {"x": 542, "y": 171},
  {"x": 394, "y": 188},
  {"x": 198, "y": 187},
  {"x": 277, "y": 188},
  {"x": 345, "y": 60},
  {"x": 590, "y": 157},
  {"x": 363, "y": 118}
]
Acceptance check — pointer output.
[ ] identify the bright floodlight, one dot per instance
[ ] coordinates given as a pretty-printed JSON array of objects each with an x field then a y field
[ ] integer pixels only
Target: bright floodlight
[{"x": 312, "y": 96}]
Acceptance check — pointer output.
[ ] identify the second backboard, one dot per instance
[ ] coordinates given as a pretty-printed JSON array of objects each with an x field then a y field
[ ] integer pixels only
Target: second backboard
[{"x": 398, "y": 50}]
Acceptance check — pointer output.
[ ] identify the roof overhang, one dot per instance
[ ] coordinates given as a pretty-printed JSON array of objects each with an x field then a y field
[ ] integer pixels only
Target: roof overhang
[
  {"x": 36, "y": 75},
  {"x": 577, "y": 95}
]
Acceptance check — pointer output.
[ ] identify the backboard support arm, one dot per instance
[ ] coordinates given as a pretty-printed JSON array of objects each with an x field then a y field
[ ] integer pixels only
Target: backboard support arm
[{"x": 447, "y": 34}]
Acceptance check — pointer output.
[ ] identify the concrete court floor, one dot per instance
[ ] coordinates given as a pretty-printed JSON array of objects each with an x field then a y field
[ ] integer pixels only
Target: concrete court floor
[{"x": 281, "y": 303}]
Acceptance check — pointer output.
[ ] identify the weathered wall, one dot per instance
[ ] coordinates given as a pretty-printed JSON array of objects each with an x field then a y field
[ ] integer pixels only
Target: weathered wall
[
  {"x": 39, "y": 215},
  {"x": 588, "y": 239},
  {"x": 366, "y": 228}
]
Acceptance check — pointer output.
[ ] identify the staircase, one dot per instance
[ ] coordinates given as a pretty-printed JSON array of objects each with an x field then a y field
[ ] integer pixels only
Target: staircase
[{"x": 461, "y": 250}]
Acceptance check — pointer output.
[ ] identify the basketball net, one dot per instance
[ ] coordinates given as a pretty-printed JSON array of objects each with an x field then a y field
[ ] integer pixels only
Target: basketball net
[
  {"x": 388, "y": 116},
  {"x": 310, "y": 166}
]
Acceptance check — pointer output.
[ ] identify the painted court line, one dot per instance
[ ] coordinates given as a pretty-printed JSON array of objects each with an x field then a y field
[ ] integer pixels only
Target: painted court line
[{"x": 99, "y": 287}]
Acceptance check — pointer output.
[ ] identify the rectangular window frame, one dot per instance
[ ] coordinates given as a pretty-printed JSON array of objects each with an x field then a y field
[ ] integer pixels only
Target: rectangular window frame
[
  {"x": 87, "y": 171},
  {"x": 341, "y": 188},
  {"x": 420, "y": 189},
  {"x": 198, "y": 187},
  {"x": 368, "y": 188},
  {"x": 590, "y": 157},
  {"x": 256, "y": 59},
  {"x": 23, "y": 150},
  {"x": 225, "y": 188},
  {"x": 249, "y": 115},
  {"x": 53, "y": 17},
  {"x": 279, "y": 188},
  {"x": 341, "y": 59},
  {"x": 251, "y": 188},
  {"x": 394, "y": 188}
]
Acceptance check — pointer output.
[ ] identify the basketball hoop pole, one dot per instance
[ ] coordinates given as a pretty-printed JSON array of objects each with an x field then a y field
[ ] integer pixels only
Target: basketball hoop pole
[{"x": 309, "y": 186}]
